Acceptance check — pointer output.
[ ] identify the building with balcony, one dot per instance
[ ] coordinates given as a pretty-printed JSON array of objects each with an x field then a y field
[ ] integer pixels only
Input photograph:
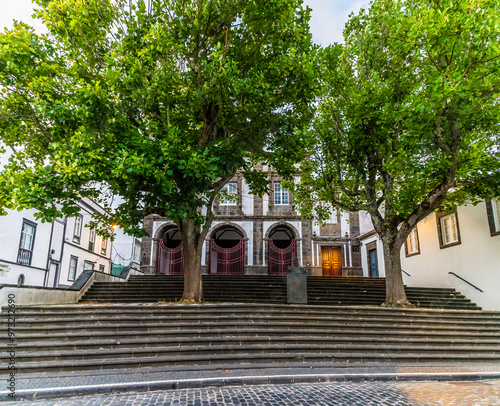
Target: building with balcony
[{"x": 50, "y": 254}]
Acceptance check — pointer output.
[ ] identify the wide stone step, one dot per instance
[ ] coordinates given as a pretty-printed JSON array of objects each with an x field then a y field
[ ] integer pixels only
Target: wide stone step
[
  {"x": 244, "y": 349},
  {"x": 277, "y": 298},
  {"x": 374, "y": 328},
  {"x": 345, "y": 291},
  {"x": 94, "y": 337},
  {"x": 248, "y": 337},
  {"x": 166, "y": 311},
  {"x": 283, "y": 331},
  {"x": 178, "y": 309},
  {"x": 98, "y": 314},
  {"x": 312, "y": 319},
  {"x": 216, "y": 360},
  {"x": 41, "y": 343}
]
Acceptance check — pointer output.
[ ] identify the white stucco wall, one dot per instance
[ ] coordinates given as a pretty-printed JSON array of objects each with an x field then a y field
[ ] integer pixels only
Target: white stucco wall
[
  {"x": 81, "y": 250},
  {"x": 265, "y": 204},
  {"x": 345, "y": 228},
  {"x": 9, "y": 273},
  {"x": 125, "y": 249},
  {"x": 247, "y": 204},
  {"x": 365, "y": 222},
  {"x": 380, "y": 255},
  {"x": 10, "y": 237},
  {"x": 476, "y": 259}
]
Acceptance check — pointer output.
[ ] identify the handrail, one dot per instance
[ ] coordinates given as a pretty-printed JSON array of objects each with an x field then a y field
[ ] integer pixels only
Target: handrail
[
  {"x": 402, "y": 270},
  {"x": 459, "y": 277}
]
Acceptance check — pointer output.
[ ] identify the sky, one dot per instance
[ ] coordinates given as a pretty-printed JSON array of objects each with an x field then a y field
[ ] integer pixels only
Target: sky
[{"x": 327, "y": 18}]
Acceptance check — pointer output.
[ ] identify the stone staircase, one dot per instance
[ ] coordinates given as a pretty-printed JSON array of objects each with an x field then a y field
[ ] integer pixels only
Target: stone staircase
[
  {"x": 350, "y": 291},
  {"x": 212, "y": 336}
]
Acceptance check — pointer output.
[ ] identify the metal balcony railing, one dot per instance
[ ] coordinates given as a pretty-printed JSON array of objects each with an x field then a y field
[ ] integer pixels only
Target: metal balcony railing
[{"x": 24, "y": 257}]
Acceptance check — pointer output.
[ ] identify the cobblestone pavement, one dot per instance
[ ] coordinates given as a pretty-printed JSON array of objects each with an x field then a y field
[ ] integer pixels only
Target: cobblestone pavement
[
  {"x": 133, "y": 375},
  {"x": 426, "y": 393}
]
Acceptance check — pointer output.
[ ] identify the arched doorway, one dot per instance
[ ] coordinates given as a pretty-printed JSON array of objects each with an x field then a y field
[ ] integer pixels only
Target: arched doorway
[
  {"x": 227, "y": 252},
  {"x": 281, "y": 250},
  {"x": 170, "y": 253}
]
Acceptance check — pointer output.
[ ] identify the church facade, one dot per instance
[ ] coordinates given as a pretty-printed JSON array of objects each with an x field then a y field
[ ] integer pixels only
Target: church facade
[{"x": 254, "y": 235}]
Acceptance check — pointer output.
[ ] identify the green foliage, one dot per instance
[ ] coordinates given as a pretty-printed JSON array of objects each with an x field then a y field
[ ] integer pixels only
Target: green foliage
[
  {"x": 159, "y": 103},
  {"x": 409, "y": 113}
]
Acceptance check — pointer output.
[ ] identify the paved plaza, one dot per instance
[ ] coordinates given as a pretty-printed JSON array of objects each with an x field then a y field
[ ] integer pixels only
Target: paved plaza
[{"x": 460, "y": 393}]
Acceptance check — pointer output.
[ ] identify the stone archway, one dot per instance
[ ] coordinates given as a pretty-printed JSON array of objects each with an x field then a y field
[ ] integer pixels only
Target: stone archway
[
  {"x": 170, "y": 255},
  {"x": 281, "y": 248},
  {"x": 227, "y": 250}
]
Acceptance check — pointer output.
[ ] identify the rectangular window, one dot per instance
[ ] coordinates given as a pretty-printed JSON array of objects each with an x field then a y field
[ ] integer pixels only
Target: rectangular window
[
  {"x": 73, "y": 264},
  {"x": 104, "y": 246},
  {"x": 229, "y": 198},
  {"x": 280, "y": 194},
  {"x": 333, "y": 217},
  {"x": 77, "y": 233},
  {"x": 412, "y": 245},
  {"x": 449, "y": 230},
  {"x": 137, "y": 251},
  {"x": 88, "y": 266},
  {"x": 495, "y": 205},
  {"x": 27, "y": 243},
  {"x": 91, "y": 240},
  {"x": 493, "y": 215}
]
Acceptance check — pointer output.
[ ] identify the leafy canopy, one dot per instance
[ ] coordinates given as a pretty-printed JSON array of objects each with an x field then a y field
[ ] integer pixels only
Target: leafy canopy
[
  {"x": 160, "y": 102},
  {"x": 409, "y": 113}
]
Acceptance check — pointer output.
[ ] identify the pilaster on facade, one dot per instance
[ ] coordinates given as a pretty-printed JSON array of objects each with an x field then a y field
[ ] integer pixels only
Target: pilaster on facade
[{"x": 261, "y": 224}]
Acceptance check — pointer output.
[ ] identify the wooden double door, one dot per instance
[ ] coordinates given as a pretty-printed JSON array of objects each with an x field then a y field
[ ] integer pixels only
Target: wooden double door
[{"x": 331, "y": 261}]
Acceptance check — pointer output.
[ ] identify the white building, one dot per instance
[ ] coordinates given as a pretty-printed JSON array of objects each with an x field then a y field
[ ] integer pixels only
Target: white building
[
  {"x": 458, "y": 250},
  {"x": 126, "y": 251},
  {"x": 50, "y": 254}
]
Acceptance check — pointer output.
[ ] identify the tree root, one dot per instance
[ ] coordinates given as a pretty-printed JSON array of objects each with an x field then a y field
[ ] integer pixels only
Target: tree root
[
  {"x": 398, "y": 304},
  {"x": 190, "y": 301}
]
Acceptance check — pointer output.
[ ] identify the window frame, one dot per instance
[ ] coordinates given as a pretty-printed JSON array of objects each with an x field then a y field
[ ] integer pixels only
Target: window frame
[
  {"x": 104, "y": 246},
  {"x": 408, "y": 245},
  {"x": 77, "y": 229},
  {"x": 493, "y": 214},
  {"x": 71, "y": 258},
  {"x": 224, "y": 202},
  {"x": 102, "y": 268},
  {"x": 92, "y": 240},
  {"x": 440, "y": 219},
  {"x": 282, "y": 193},
  {"x": 92, "y": 265},
  {"x": 32, "y": 224}
]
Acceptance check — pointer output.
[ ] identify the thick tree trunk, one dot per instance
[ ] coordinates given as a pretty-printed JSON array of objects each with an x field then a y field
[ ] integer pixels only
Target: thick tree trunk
[
  {"x": 395, "y": 292},
  {"x": 192, "y": 244}
]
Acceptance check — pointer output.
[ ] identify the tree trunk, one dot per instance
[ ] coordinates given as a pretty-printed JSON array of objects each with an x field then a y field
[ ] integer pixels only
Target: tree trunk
[
  {"x": 192, "y": 245},
  {"x": 395, "y": 295}
]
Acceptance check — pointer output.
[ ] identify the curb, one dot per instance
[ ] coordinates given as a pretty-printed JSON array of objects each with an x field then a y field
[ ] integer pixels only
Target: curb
[{"x": 116, "y": 388}]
